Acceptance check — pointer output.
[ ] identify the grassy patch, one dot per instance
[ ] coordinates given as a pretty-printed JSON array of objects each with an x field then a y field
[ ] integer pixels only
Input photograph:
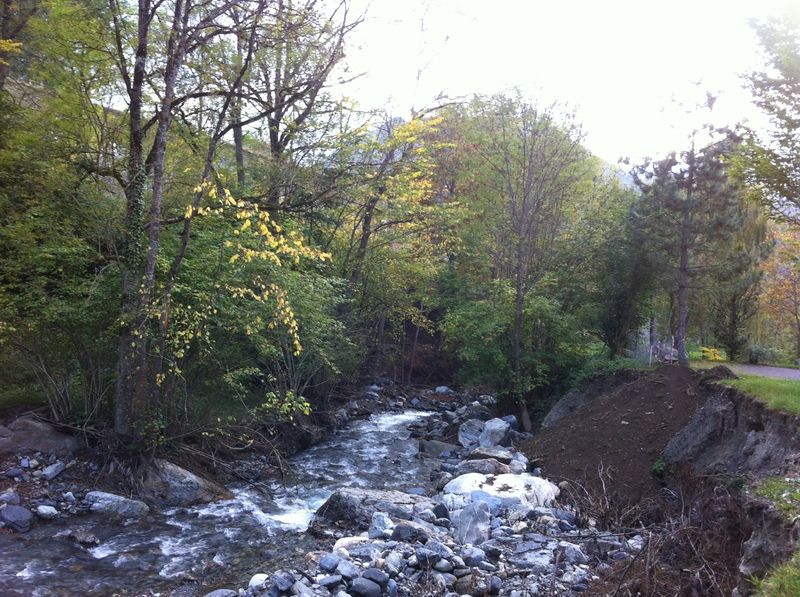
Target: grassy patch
[
  {"x": 783, "y": 580},
  {"x": 784, "y": 494},
  {"x": 778, "y": 394}
]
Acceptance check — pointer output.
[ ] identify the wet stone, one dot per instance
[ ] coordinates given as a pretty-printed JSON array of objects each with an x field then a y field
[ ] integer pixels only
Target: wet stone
[
  {"x": 9, "y": 497},
  {"x": 347, "y": 570},
  {"x": 473, "y": 555},
  {"x": 329, "y": 562},
  {"x": 391, "y": 588},
  {"x": 426, "y": 557},
  {"x": 365, "y": 552},
  {"x": 440, "y": 511},
  {"x": 363, "y": 587},
  {"x": 283, "y": 580},
  {"x": 377, "y": 576},
  {"x": 329, "y": 582},
  {"x": 443, "y": 566},
  {"x": 17, "y": 518},
  {"x": 52, "y": 471},
  {"x": 409, "y": 534}
]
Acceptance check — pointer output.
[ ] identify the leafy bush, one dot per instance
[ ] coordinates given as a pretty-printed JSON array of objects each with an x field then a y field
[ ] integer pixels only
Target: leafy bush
[
  {"x": 757, "y": 354},
  {"x": 600, "y": 364},
  {"x": 711, "y": 354}
]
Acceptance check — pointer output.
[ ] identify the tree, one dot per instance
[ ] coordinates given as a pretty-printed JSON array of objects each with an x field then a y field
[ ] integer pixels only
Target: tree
[
  {"x": 689, "y": 204},
  {"x": 774, "y": 162},
  {"x": 735, "y": 286},
  {"x": 781, "y": 296},
  {"x": 538, "y": 159}
]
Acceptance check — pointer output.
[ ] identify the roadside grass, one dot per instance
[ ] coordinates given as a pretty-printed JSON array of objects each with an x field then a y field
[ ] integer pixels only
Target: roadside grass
[{"x": 777, "y": 394}]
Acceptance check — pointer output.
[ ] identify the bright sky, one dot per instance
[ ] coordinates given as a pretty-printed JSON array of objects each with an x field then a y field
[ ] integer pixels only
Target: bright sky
[{"x": 620, "y": 63}]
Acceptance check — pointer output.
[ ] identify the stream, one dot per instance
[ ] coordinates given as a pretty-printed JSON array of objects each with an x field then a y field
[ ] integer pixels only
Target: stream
[{"x": 217, "y": 544}]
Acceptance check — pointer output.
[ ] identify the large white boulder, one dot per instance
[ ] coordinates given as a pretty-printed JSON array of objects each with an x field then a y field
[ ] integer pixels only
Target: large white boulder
[{"x": 508, "y": 488}]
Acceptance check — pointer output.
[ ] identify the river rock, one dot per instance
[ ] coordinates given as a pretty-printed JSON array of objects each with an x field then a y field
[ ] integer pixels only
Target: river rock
[
  {"x": 488, "y": 466},
  {"x": 410, "y": 532},
  {"x": 16, "y": 518},
  {"x": 366, "y": 552},
  {"x": 572, "y": 553},
  {"x": 443, "y": 390},
  {"x": 14, "y": 472},
  {"x": 168, "y": 486},
  {"x": 46, "y": 512},
  {"x": 435, "y": 448},
  {"x": 376, "y": 575},
  {"x": 54, "y": 470},
  {"x": 9, "y": 497},
  {"x": 493, "y": 433},
  {"x": 474, "y": 585},
  {"x": 29, "y": 434},
  {"x": 471, "y": 525},
  {"x": 347, "y": 570},
  {"x": 222, "y": 593},
  {"x": 363, "y": 587},
  {"x": 329, "y": 582},
  {"x": 474, "y": 410},
  {"x": 257, "y": 581},
  {"x": 80, "y": 535},
  {"x": 109, "y": 503},
  {"x": 283, "y": 580},
  {"x": 496, "y": 452},
  {"x": 329, "y": 562},
  {"x": 381, "y": 526},
  {"x": 537, "y": 561},
  {"x": 473, "y": 556},
  {"x": 469, "y": 433},
  {"x": 391, "y": 588},
  {"x": 441, "y": 511},
  {"x": 516, "y": 467},
  {"x": 354, "y": 506}
]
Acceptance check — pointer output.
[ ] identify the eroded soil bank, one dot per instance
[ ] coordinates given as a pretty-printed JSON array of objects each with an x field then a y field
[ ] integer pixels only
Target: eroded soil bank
[{"x": 674, "y": 452}]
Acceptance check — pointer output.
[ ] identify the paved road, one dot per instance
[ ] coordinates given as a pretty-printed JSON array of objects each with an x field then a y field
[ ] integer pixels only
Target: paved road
[{"x": 764, "y": 371}]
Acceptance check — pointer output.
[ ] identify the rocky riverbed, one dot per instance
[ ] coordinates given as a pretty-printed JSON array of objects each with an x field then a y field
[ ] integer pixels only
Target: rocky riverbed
[
  {"x": 427, "y": 498},
  {"x": 489, "y": 526}
]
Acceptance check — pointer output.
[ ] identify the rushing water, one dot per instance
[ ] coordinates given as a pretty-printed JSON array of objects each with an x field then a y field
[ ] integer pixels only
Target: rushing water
[{"x": 220, "y": 542}]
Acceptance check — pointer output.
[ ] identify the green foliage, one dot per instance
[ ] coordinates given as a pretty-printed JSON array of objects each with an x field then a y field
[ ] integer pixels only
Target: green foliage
[
  {"x": 479, "y": 331},
  {"x": 773, "y": 162},
  {"x": 783, "y": 492},
  {"x": 659, "y": 469},
  {"x": 601, "y": 364},
  {"x": 781, "y": 580}
]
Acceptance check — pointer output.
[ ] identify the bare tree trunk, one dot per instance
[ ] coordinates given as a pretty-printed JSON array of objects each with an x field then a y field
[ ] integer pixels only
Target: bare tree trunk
[
  {"x": 683, "y": 305},
  {"x": 363, "y": 243},
  {"x": 683, "y": 267},
  {"x": 131, "y": 332},
  {"x": 135, "y": 387},
  {"x": 413, "y": 354},
  {"x": 236, "y": 117}
]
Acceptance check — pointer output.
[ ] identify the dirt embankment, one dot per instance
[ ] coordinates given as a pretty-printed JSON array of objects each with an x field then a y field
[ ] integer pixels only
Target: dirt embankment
[
  {"x": 638, "y": 429},
  {"x": 620, "y": 431}
]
